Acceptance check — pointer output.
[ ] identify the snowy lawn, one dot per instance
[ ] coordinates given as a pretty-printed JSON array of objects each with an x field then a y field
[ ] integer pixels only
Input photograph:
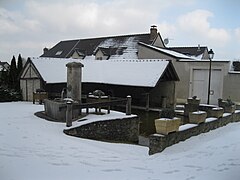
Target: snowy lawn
[{"x": 35, "y": 149}]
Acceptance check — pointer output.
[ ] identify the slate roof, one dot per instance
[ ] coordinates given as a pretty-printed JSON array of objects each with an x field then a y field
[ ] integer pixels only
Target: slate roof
[
  {"x": 189, "y": 51},
  {"x": 108, "y": 51},
  {"x": 65, "y": 49},
  {"x": 147, "y": 72}
]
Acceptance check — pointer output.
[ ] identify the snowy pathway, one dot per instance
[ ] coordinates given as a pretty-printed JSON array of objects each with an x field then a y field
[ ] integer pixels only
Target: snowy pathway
[{"x": 34, "y": 149}]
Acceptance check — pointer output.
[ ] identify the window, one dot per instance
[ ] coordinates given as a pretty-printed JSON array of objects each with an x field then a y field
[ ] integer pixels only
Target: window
[
  {"x": 58, "y": 53},
  {"x": 99, "y": 58}
]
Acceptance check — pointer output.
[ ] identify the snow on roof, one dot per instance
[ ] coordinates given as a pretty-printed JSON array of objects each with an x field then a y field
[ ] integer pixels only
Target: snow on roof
[
  {"x": 129, "y": 47},
  {"x": 131, "y": 72},
  {"x": 167, "y": 51}
]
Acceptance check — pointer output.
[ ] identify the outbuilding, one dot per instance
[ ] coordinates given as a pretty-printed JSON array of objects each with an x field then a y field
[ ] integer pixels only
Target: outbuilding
[{"x": 150, "y": 82}]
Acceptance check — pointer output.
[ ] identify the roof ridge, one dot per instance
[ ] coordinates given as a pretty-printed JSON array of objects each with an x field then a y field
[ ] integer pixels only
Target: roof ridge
[
  {"x": 138, "y": 60},
  {"x": 187, "y": 47},
  {"x": 110, "y": 36}
]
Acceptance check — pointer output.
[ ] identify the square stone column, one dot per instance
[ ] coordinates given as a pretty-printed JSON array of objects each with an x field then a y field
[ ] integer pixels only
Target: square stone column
[{"x": 74, "y": 81}]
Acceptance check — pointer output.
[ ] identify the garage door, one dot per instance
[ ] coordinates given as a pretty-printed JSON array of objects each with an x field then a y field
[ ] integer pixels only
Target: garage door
[{"x": 200, "y": 85}]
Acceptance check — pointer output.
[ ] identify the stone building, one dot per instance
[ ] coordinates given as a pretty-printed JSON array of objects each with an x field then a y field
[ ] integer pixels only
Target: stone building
[{"x": 147, "y": 81}]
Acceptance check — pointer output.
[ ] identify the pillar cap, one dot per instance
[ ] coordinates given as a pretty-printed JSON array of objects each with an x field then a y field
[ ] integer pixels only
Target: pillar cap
[{"x": 74, "y": 64}]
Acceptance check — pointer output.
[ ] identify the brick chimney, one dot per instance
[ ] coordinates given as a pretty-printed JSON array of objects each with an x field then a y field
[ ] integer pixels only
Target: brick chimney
[
  {"x": 153, "y": 32},
  {"x": 45, "y": 50}
]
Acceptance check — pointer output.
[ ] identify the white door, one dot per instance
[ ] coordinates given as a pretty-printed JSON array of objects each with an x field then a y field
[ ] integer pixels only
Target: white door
[{"x": 200, "y": 85}]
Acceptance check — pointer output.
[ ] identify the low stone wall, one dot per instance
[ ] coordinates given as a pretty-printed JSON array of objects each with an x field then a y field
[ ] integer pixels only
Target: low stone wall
[
  {"x": 117, "y": 130},
  {"x": 158, "y": 142},
  {"x": 51, "y": 108}
]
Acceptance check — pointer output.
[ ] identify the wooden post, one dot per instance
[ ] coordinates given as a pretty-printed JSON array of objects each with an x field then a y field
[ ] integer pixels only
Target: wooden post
[
  {"x": 33, "y": 98},
  {"x": 40, "y": 98},
  {"x": 164, "y": 101},
  {"x": 109, "y": 107},
  {"x": 69, "y": 114},
  {"x": 99, "y": 100},
  {"x": 87, "y": 109},
  {"x": 128, "y": 105},
  {"x": 147, "y": 101}
]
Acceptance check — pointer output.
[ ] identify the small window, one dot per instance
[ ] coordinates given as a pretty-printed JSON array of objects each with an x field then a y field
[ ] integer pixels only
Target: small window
[
  {"x": 58, "y": 53},
  {"x": 99, "y": 58}
]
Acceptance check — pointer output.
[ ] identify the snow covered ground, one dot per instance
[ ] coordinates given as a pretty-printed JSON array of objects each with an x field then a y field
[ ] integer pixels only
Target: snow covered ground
[{"x": 35, "y": 149}]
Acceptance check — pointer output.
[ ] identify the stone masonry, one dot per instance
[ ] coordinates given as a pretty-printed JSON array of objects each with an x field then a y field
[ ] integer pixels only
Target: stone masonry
[
  {"x": 117, "y": 130},
  {"x": 158, "y": 142}
]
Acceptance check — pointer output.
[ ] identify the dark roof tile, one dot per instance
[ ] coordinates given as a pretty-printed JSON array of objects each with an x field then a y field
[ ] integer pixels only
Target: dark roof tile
[
  {"x": 189, "y": 51},
  {"x": 88, "y": 46}
]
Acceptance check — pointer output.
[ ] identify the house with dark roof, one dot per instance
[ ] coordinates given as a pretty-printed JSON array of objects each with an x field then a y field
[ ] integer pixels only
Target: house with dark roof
[
  {"x": 197, "y": 52},
  {"x": 191, "y": 63},
  {"x": 104, "y": 48},
  {"x": 121, "y": 47},
  {"x": 4, "y": 66}
]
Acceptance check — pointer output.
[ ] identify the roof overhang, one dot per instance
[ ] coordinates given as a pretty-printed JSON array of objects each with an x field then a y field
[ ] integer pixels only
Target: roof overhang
[{"x": 131, "y": 72}]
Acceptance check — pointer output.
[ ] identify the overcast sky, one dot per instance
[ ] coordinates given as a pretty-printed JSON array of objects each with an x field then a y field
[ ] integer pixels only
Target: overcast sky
[{"x": 27, "y": 26}]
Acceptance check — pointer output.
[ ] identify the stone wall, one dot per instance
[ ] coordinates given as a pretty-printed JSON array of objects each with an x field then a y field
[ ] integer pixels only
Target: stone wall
[
  {"x": 158, "y": 142},
  {"x": 118, "y": 130},
  {"x": 51, "y": 108}
]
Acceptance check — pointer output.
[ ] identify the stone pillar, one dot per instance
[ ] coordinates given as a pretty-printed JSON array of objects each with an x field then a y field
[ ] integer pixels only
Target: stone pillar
[{"x": 74, "y": 81}]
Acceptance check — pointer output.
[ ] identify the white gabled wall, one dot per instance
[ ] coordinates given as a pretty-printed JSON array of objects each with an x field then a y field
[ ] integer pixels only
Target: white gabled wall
[
  {"x": 100, "y": 56},
  {"x": 28, "y": 86},
  {"x": 76, "y": 56},
  {"x": 29, "y": 82},
  {"x": 147, "y": 53},
  {"x": 185, "y": 71},
  {"x": 158, "y": 42}
]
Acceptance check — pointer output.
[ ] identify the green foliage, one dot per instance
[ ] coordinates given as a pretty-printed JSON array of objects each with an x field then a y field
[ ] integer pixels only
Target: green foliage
[
  {"x": 19, "y": 70},
  {"x": 194, "y": 97},
  {"x": 167, "y": 113},
  {"x": 229, "y": 102},
  {"x": 19, "y": 65},
  {"x": 10, "y": 83},
  {"x": 4, "y": 78},
  {"x": 8, "y": 95},
  {"x": 13, "y": 83}
]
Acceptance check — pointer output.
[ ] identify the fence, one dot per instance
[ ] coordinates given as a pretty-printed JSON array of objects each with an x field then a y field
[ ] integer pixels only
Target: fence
[{"x": 69, "y": 107}]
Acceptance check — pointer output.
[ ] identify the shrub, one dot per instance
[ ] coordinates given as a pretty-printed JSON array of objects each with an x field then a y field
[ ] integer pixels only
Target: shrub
[
  {"x": 8, "y": 95},
  {"x": 167, "y": 113}
]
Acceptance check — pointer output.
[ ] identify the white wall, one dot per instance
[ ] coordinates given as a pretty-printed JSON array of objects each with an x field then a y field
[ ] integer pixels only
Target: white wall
[
  {"x": 185, "y": 71},
  {"x": 29, "y": 82},
  {"x": 231, "y": 86},
  {"x": 28, "y": 87}
]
